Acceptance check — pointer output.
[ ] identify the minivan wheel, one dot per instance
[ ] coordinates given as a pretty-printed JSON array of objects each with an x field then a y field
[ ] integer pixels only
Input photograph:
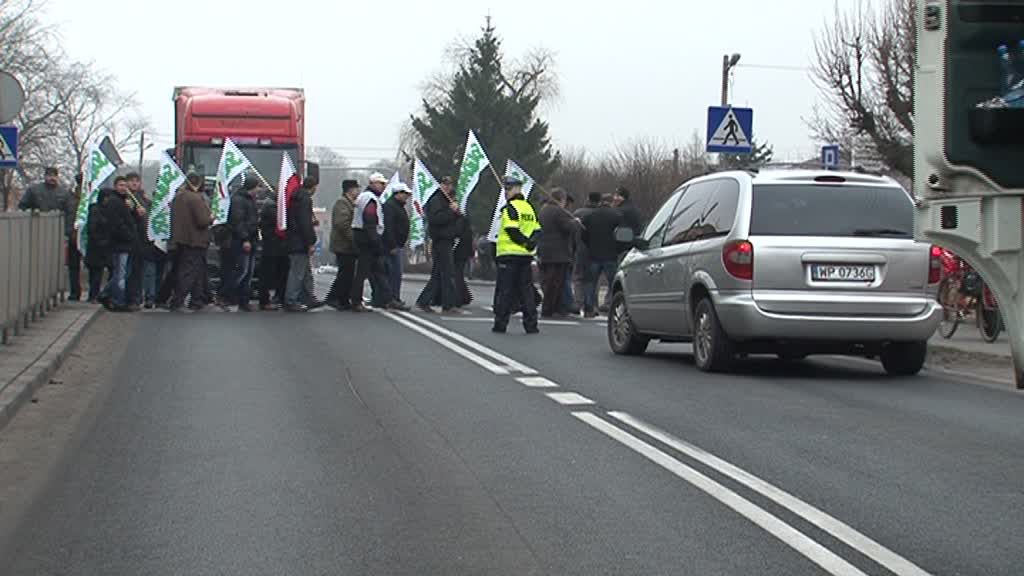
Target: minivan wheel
[
  {"x": 713, "y": 351},
  {"x": 622, "y": 335},
  {"x": 904, "y": 358}
]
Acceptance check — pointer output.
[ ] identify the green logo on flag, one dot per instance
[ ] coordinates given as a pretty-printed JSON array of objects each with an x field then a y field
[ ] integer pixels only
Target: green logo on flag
[
  {"x": 231, "y": 161},
  {"x": 470, "y": 168}
]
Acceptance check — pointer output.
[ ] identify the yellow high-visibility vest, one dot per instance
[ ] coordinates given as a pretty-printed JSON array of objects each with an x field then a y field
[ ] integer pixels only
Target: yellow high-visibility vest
[{"x": 517, "y": 214}]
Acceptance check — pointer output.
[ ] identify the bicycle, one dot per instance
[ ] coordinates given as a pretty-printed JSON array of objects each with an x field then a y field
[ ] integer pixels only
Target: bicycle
[{"x": 963, "y": 291}]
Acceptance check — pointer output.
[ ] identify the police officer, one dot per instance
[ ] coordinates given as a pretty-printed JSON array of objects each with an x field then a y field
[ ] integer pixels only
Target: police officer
[{"x": 517, "y": 245}]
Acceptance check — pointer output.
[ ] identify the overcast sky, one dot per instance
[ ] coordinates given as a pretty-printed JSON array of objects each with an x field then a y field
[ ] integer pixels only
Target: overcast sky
[{"x": 626, "y": 69}]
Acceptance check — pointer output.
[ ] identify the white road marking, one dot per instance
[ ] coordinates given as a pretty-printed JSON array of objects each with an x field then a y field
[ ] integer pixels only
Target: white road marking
[
  {"x": 482, "y": 362},
  {"x": 509, "y": 364},
  {"x": 792, "y": 537},
  {"x": 570, "y": 399},
  {"x": 536, "y": 382},
  {"x": 844, "y": 533}
]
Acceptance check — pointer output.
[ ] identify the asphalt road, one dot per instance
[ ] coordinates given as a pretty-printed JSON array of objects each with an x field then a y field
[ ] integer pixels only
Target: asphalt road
[{"x": 335, "y": 443}]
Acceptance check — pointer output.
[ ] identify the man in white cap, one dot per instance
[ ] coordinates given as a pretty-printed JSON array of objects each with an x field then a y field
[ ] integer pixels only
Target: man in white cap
[
  {"x": 396, "y": 235},
  {"x": 368, "y": 232}
]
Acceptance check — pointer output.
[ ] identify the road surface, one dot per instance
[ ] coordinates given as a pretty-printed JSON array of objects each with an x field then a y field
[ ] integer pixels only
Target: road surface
[{"x": 333, "y": 443}]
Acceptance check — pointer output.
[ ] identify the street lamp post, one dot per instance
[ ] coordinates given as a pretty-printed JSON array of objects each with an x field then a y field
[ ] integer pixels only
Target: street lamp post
[{"x": 728, "y": 62}]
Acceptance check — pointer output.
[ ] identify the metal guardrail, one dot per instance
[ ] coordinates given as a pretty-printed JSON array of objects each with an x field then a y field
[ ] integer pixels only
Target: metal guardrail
[{"x": 32, "y": 277}]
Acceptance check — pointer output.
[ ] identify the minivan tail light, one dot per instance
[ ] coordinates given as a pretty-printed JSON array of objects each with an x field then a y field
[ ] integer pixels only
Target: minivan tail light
[
  {"x": 935, "y": 265},
  {"x": 738, "y": 258}
]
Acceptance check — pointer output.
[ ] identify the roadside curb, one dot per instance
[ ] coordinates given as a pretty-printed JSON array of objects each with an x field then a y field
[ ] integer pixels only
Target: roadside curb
[
  {"x": 46, "y": 365},
  {"x": 952, "y": 351}
]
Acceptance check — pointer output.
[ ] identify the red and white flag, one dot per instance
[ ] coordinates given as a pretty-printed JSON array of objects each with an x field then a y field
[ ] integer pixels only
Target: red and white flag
[{"x": 286, "y": 186}]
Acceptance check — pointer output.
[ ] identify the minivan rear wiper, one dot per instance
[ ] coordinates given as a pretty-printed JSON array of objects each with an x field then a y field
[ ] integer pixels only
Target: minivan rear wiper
[{"x": 880, "y": 232}]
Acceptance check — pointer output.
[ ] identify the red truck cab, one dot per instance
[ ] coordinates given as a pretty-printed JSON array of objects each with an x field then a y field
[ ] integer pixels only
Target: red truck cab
[{"x": 263, "y": 122}]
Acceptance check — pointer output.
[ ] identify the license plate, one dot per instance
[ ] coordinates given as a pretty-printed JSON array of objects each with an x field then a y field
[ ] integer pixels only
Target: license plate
[{"x": 842, "y": 273}]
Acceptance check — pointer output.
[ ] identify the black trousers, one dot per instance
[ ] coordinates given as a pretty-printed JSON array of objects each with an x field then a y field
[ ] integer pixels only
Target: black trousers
[
  {"x": 370, "y": 266},
  {"x": 463, "y": 295},
  {"x": 440, "y": 289},
  {"x": 95, "y": 281},
  {"x": 273, "y": 273},
  {"x": 515, "y": 289},
  {"x": 191, "y": 272},
  {"x": 554, "y": 287},
  {"x": 170, "y": 278},
  {"x": 341, "y": 289},
  {"x": 74, "y": 261},
  {"x": 133, "y": 284}
]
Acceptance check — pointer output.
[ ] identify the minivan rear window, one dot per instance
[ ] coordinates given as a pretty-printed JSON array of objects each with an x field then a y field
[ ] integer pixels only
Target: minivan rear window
[{"x": 822, "y": 210}]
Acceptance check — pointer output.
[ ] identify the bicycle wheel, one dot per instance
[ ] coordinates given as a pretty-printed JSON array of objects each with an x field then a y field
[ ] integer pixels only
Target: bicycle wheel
[
  {"x": 990, "y": 321},
  {"x": 949, "y": 298}
]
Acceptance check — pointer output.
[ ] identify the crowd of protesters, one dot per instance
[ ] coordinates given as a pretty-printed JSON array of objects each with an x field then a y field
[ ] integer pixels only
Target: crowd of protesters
[{"x": 368, "y": 236}]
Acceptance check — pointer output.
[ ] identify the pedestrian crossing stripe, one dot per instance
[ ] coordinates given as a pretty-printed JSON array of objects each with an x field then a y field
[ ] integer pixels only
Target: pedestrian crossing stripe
[
  {"x": 5, "y": 149},
  {"x": 730, "y": 132}
]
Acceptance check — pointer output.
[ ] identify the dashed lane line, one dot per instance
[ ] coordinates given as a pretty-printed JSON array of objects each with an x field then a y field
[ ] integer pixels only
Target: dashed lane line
[
  {"x": 536, "y": 382},
  {"x": 841, "y": 531},
  {"x": 792, "y": 537},
  {"x": 570, "y": 399}
]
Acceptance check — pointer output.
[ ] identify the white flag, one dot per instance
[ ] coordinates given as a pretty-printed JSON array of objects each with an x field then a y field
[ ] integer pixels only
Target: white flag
[
  {"x": 97, "y": 169},
  {"x": 390, "y": 188},
  {"x": 424, "y": 185},
  {"x": 474, "y": 162},
  {"x": 515, "y": 171},
  {"x": 232, "y": 164},
  {"x": 168, "y": 180}
]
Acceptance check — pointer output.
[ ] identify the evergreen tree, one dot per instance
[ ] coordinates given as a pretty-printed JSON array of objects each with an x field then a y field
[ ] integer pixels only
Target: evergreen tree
[
  {"x": 762, "y": 154},
  {"x": 500, "y": 105}
]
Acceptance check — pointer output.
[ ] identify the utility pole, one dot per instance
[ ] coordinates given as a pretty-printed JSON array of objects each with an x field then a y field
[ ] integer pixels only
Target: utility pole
[
  {"x": 675, "y": 166},
  {"x": 728, "y": 62}
]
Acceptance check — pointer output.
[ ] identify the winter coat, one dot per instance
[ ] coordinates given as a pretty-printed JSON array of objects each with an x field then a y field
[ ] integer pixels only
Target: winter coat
[
  {"x": 599, "y": 233},
  {"x": 301, "y": 235},
  {"x": 342, "y": 241},
  {"x": 631, "y": 217},
  {"x": 396, "y": 225},
  {"x": 97, "y": 254},
  {"x": 121, "y": 223},
  {"x": 243, "y": 217},
  {"x": 559, "y": 228},
  {"x": 190, "y": 219},
  {"x": 441, "y": 221},
  {"x": 45, "y": 199}
]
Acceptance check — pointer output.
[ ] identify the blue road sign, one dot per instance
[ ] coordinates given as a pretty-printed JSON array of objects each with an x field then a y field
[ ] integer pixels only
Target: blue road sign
[
  {"x": 830, "y": 157},
  {"x": 730, "y": 130},
  {"x": 8, "y": 146}
]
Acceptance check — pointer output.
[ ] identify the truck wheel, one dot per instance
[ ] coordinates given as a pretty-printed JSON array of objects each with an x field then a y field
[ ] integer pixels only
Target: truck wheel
[
  {"x": 622, "y": 335},
  {"x": 713, "y": 351},
  {"x": 904, "y": 358}
]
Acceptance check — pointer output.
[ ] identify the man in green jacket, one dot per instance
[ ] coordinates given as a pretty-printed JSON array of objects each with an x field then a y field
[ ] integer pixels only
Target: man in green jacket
[{"x": 344, "y": 247}]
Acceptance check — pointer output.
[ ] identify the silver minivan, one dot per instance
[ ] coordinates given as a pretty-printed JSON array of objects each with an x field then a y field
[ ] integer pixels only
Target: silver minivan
[{"x": 785, "y": 262}]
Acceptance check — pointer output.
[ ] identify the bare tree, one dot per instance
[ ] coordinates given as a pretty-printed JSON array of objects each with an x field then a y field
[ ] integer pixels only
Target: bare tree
[
  {"x": 864, "y": 64},
  {"x": 68, "y": 104}
]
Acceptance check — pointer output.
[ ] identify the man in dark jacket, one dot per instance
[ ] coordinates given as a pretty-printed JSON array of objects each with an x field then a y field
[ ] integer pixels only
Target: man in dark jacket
[
  {"x": 301, "y": 241},
  {"x": 630, "y": 214},
  {"x": 140, "y": 206},
  {"x": 120, "y": 220},
  {"x": 191, "y": 219},
  {"x": 244, "y": 221},
  {"x": 273, "y": 259},
  {"x": 443, "y": 217},
  {"x": 49, "y": 196},
  {"x": 97, "y": 254},
  {"x": 555, "y": 250},
  {"x": 343, "y": 245},
  {"x": 599, "y": 237},
  {"x": 396, "y": 235},
  {"x": 581, "y": 258}
]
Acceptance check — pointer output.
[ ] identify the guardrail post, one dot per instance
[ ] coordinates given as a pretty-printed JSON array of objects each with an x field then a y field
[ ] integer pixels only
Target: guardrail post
[{"x": 7, "y": 281}]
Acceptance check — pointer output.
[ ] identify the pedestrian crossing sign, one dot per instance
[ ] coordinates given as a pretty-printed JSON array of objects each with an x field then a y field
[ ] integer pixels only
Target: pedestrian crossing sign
[
  {"x": 8, "y": 147},
  {"x": 730, "y": 130}
]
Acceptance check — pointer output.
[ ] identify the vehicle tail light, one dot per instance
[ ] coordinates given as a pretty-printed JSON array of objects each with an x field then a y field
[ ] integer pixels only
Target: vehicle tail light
[
  {"x": 738, "y": 258},
  {"x": 935, "y": 265}
]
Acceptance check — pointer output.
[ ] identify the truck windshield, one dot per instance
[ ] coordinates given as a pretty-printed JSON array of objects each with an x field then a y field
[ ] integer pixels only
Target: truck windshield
[
  {"x": 815, "y": 210},
  {"x": 267, "y": 161}
]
